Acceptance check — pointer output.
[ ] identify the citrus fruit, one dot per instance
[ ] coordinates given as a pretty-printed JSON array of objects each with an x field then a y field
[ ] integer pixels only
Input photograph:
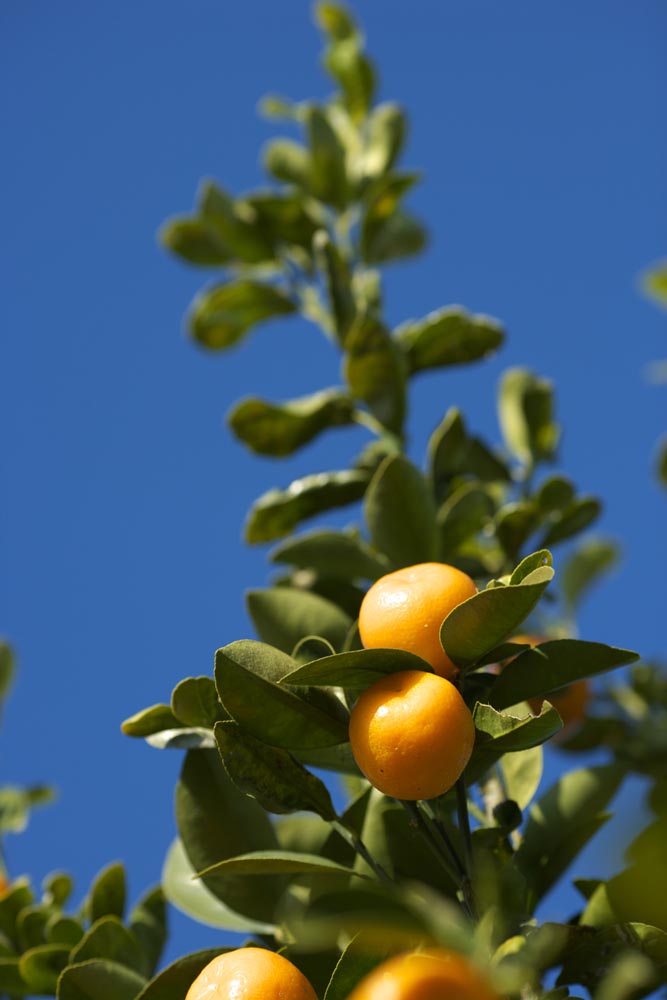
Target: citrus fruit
[
  {"x": 405, "y": 609},
  {"x": 426, "y": 975},
  {"x": 412, "y": 734},
  {"x": 570, "y": 702},
  {"x": 250, "y": 974}
]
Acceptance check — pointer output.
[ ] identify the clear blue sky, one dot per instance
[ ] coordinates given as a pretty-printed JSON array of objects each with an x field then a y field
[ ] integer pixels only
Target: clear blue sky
[{"x": 538, "y": 128}]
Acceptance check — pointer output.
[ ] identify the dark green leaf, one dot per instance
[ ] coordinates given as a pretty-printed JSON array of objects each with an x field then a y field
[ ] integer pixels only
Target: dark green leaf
[
  {"x": 192, "y": 897},
  {"x": 6, "y": 669},
  {"x": 174, "y": 981},
  {"x": 267, "y": 711},
  {"x": 562, "y": 822},
  {"x": 12, "y": 982},
  {"x": 452, "y": 452},
  {"x": 108, "y": 938},
  {"x": 194, "y": 702},
  {"x": 16, "y": 898},
  {"x": 107, "y": 894},
  {"x": 205, "y": 801},
  {"x": 236, "y": 223},
  {"x": 552, "y": 665},
  {"x": 590, "y": 560},
  {"x": 572, "y": 519},
  {"x": 195, "y": 241},
  {"x": 63, "y": 930},
  {"x": 285, "y": 217},
  {"x": 375, "y": 371},
  {"x": 525, "y": 407},
  {"x": 30, "y": 926},
  {"x": 148, "y": 924},
  {"x": 281, "y": 428},
  {"x": 356, "y": 669},
  {"x": 661, "y": 462},
  {"x": 463, "y": 515},
  {"x": 336, "y": 553},
  {"x": 58, "y": 888},
  {"x": 270, "y": 775},
  {"x": 221, "y": 316},
  {"x": 41, "y": 966},
  {"x": 16, "y": 804},
  {"x": 555, "y": 493},
  {"x": 515, "y": 523},
  {"x": 280, "y": 863},
  {"x": 400, "y": 513},
  {"x": 449, "y": 336},
  {"x": 359, "y": 958},
  {"x": 591, "y": 952},
  {"x": 338, "y": 279},
  {"x": 284, "y": 615},
  {"x": 151, "y": 720},
  {"x": 398, "y": 236},
  {"x": 99, "y": 980},
  {"x": 484, "y": 620},
  {"x": 277, "y": 512},
  {"x": 498, "y": 734},
  {"x": 328, "y": 176}
]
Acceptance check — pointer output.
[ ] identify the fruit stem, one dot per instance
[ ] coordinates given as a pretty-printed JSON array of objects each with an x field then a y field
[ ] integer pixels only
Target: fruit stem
[
  {"x": 464, "y": 826},
  {"x": 355, "y": 841},
  {"x": 441, "y": 830},
  {"x": 450, "y": 864}
]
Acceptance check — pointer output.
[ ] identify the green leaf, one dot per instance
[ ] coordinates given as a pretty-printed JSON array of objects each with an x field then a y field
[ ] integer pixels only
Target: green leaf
[
  {"x": 338, "y": 280},
  {"x": 109, "y": 938},
  {"x": 515, "y": 523},
  {"x": 151, "y": 720},
  {"x": 58, "y": 887},
  {"x": 284, "y": 615},
  {"x": 270, "y": 775},
  {"x": 572, "y": 519},
  {"x": 194, "y": 702},
  {"x": 288, "y": 161},
  {"x": 12, "y": 982},
  {"x": 267, "y": 711},
  {"x": 336, "y": 20},
  {"x": 400, "y": 513},
  {"x": 375, "y": 371},
  {"x": 484, "y": 620},
  {"x": 522, "y": 773},
  {"x": 16, "y": 804},
  {"x": 236, "y": 223},
  {"x": 30, "y": 926},
  {"x": 589, "y": 561},
  {"x": 525, "y": 410},
  {"x": 463, "y": 515},
  {"x": 554, "y": 494},
  {"x": 186, "y": 738},
  {"x": 6, "y": 669},
  {"x": 654, "y": 283},
  {"x": 41, "y": 966},
  {"x": 281, "y": 863},
  {"x": 107, "y": 893},
  {"x": 393, "y": 238},
  {"x": 15, "y": 899},
  {"x": 285, "y": 217},
  {"x": 629, "y": 974},
  {"x": 661, "y": 463},
  {"x": 449, "y": 336},
  {"x": 174, "y": 981},
  {"x": 148, "y": 925},
  {"x": 562, "y": 822},
  {"x": 591, "y": 952},
  {"x": 99, "y": 980},
  {"x": 452, "y": 453},
  {"x": 360, "y": 957},
  {"x": 357, "y": 669},
  {"x": 502, "y": 732},
  {"x": 221, "y": 316},
  {"x": 277, "y": 512},
  {"x": 281, "y": 428},
  {"x": 340, "y": 554},
  {"x": 552, "y": 665},
  {"x": 195, "y": 241},
  {"x": 205, "y": 801},
  {"x": 328, "y": 176},
  {"x": 385, "y": 136},
  {"x": 192, "y": 897},
  {"x": 63, "y": 930}
]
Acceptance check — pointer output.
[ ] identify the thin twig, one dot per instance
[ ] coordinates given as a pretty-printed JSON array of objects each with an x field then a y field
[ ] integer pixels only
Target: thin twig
[
  {"x": 357, "y": 843},
  {"x": 464, "y": 826}
]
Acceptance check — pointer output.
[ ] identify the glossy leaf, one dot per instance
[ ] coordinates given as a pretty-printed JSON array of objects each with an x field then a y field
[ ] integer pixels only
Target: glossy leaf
[
  {"x": 151, "y": 720},
  {"x": 554, "y": 493},
  {"x": 514, "y": 524},
  {"x": 205, "y": 800},
  {"x": 270, "y": 775},
  {"x": 271, "y": 713},
  {"x": 109, "y": 938},
  {"x": 449, "y": 336},
  {"x": 194, "y": 701},
  {"x": 522, "y": 773},
  {"x": 63, "y": 930},
  {"x": 562, "y": 822},
  {"x": 191, "y": 896},
  {"x": 356, "y": 669},
  {"x": 99, "y": 980},
  {"x": 589, "y": 561},
  {"x": 281, "y": 428},
  {"x": 174, "y": 981},
  {"x": 400, "y": 513},
  {"x": 553, "y": 665},
  {"x": 358, "y": 959},
  {"x": 484, "y": 620},
  {"x": 505, "y": 732},
  {"x": 281, "y": 863},
  {"x": 525, "y": 409},
  {"x": 328, "y": 176},
  {"x": 108, "y": 893},
  {"x": 221, "y": 316},
  {"x": 337, "y": 553},
  {"x": 375, "y": 371},
  {"x": 398, "y": 236},
  {"x": 453, "y": 452},
  {"x": 284, "y": 615},
  {"x": 277, "y": 512},
  {"x": 572, "y": 519},
  {"x": 41, "y": 966},
  {"x": 148, "y": 925},
  {"x": 463, "y": 515}
]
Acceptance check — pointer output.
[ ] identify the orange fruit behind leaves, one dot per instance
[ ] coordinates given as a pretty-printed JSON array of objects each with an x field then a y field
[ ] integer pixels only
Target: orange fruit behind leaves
[
  {"x": 412, "y": 734},
  {"x": 251, "y": 974},
  {"x": 405, "y": 609},
  {"x": 426, "y": 975}
]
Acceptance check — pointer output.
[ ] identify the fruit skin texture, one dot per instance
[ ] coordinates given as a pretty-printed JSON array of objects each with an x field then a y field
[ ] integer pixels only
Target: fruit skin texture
[
  {"x": 426, "y": 975},
  {"x": 250, "y": 974},
  {"x": 405, "y": 609},
  {"x": 570, "y": 702},
  {"x": 412, "y": 734}
]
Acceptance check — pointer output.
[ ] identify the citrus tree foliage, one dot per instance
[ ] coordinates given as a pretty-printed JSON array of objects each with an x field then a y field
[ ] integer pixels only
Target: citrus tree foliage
[{"x": 263, "y": 848}]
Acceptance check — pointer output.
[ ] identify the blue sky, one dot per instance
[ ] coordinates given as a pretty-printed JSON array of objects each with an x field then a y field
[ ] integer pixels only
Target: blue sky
[{"x": 537, "y": 127}]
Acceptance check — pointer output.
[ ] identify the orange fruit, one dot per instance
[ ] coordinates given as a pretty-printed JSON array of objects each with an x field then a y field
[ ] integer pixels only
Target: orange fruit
[
  {"x": 570, "y": 702},
  {"x": 250, "y": 974},
  {"x": 4, "y": 885},
  {"x": 412, "y": 734},
  {"x": 405, "y": 609},
  {"x": 424, "y": 975}
]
